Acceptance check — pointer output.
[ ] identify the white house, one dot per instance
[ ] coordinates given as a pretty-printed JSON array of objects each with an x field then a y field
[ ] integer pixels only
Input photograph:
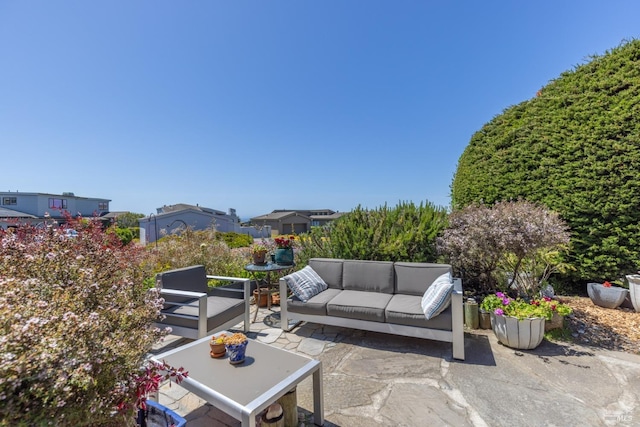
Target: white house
[
  {"x": 172, "y": 218},
  {"x": 20, "y": 208}
]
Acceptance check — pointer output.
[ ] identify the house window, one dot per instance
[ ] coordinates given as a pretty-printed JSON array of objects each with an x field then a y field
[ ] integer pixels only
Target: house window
[
  {"x": 57, "y": 203},
  {"x": 103, "y": 206},
  {"x": 9, "y": 200}
]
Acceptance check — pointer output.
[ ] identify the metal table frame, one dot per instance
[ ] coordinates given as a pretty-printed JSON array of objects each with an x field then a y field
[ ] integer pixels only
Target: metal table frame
[
  {"x": 244, "y": 391},
  {"x": 267, "y": 283}
]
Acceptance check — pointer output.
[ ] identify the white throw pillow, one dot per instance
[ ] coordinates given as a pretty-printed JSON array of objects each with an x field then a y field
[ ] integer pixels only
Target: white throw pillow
[
  {"x": 437, "y": 297},
  {"x": 305, "y": 283}
]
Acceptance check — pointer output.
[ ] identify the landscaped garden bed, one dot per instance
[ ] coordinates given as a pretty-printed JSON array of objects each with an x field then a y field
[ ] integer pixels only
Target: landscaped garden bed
[{"x": 612, "y": 329}]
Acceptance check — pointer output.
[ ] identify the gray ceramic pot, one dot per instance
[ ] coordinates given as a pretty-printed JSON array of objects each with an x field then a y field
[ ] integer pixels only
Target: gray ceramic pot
[{"x": 605, "y": 297}]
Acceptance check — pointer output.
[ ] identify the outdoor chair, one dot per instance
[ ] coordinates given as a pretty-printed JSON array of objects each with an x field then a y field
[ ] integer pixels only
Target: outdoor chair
[{"x": 192, "y": 311}]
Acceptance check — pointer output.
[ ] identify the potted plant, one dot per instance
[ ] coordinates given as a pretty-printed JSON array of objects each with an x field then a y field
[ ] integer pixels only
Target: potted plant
[
  {"x": 217, "y": 345},
  {"x": 259, "y": 253},
  {"x": 518, "y": 323},
  {"x": 284, "y": 250},
  {"x": 236, "y": 346},
  {"x": 605, "y": 295}
]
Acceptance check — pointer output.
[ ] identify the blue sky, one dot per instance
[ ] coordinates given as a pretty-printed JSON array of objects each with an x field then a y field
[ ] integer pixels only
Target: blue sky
[{"x": 263, "y": 105}]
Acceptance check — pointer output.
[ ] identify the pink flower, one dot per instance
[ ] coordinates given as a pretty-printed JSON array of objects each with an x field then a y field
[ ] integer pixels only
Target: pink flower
[
  {"x": 499, "y": 312},
  {"x": 505, "y": 301},
  {"x": 500, "y": 295}
]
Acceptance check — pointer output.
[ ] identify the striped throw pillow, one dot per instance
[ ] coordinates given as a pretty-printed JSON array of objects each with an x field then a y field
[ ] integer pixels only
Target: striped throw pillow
[
  {"x": 437, "y": 297},
  {"x": 305, "y": 283}
]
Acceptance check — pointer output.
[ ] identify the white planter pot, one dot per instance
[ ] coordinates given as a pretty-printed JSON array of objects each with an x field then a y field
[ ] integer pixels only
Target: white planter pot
[
  {"x": 525, "y": 334},
  {"x": 634, "y": 290},
  {"x": 607, "y": 297}
]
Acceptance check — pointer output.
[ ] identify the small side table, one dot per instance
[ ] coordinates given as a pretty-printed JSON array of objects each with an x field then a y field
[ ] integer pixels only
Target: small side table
[{"x": 266, "y": 282}]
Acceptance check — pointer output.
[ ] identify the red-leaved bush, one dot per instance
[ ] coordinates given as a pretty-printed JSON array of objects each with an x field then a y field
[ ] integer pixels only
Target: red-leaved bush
[
  {"x": 520, "y": 239},
  {"x": 75, "y": 326}
]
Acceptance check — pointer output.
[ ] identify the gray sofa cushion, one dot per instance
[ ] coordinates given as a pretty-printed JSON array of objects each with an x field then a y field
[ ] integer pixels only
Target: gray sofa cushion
[
  {"x": 192, "y": 278},
  {"x": 329, "y": 269},
  {"x": 316, "y": 305},
  {"x": 219, "y": 311},
  {"x": 359, "y": 305},
  {"x": 414, "y": 278},
  {"x": 371, "y": 276},
  {"x": 406, "y": 310}
]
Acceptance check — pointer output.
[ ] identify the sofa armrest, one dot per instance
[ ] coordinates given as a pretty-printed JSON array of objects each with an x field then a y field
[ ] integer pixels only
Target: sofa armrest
[
  {"x": 284, "y": 315},
  {"x": 457, "y": 320}
]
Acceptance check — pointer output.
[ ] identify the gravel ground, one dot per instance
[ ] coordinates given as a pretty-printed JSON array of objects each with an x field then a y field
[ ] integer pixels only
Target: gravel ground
[{"x": 613, "y": 329}]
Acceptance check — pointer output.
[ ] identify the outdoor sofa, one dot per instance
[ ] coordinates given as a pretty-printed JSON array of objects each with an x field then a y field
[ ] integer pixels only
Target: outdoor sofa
[
  {"x": 378, "y": 296},
  {"x": 193, "y": 311}
]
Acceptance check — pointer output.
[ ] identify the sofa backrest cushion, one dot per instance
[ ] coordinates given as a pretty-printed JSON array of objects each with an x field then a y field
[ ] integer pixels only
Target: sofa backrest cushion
[
  {"x": 413, "y": 278},
  {"x": 329, "y": 269},
  {"x": 193, "y": 278},
  {"x": 372, "y": 276}
]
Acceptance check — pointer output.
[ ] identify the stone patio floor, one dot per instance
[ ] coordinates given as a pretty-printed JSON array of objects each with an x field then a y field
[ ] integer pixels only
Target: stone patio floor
[{"x": 374, "y": 379}]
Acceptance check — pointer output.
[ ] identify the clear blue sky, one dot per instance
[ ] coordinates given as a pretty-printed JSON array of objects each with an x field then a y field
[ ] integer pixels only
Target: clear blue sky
[{"x": 262, "y": 105}]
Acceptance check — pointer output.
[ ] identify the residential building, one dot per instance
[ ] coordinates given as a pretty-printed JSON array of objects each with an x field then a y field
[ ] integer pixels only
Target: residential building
[
  {"x": 32, "y": 208},
  {"x": 284, "y": 221},
  {"x": 174, "y": 218}
]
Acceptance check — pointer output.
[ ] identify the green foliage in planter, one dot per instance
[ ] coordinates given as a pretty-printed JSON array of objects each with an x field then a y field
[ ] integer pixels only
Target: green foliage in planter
[
  {"x": 405, "y": 232},
  {"x": 75, "y": 322},
  {"x": 575, "y": 147}
]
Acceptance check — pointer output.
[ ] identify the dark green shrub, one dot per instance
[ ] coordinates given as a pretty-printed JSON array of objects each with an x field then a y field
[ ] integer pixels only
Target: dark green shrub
[
  {"x": 575, "y": 148},
  {"x": 124, "y": 234},
  {"x": 235, "y": 240},
  {"x": 404, "y": 233}
]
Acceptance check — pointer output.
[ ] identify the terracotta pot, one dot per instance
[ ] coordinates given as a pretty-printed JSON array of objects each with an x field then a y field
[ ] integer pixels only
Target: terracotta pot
[
  {"x": 259, "y": 258},
  {"x": 217, "y": 350},
  {"x": 263, "y": 297}
]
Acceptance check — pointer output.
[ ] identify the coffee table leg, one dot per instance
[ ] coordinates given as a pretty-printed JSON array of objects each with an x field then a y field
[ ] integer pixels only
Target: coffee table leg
[
  {"x": 318, "y": 397},
  {"x": 248, "y": 420}
]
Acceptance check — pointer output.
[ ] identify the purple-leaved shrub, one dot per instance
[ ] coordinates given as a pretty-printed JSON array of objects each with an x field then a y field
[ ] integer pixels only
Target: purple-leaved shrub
[
  {"x": 521, "y": 238},
  {"x": 75, "y": 326}
]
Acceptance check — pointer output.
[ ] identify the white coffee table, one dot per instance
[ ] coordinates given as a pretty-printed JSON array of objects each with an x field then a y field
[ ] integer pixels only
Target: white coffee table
[{"x": 244, "y": 390}]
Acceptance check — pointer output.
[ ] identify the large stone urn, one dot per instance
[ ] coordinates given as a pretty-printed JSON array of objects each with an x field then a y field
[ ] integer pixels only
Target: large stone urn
[
  {"x": 607, "y": 297},
  {"x": 525, "y": 334},
  {"x": 634, "y": 290}
]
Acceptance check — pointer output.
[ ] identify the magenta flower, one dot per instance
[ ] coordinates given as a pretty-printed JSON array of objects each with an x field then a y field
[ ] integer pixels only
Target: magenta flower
[
  {"x": 499, "y": 294},
  {"x": 505, "y": 301},
  {"x": 499, "y": 312}
]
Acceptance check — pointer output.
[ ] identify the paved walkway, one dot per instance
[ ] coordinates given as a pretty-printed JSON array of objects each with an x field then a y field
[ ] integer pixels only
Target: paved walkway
[{"x": 373, "y": 379}]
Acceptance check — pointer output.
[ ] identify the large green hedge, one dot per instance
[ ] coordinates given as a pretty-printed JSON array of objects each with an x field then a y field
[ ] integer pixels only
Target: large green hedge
[{"x": 574, "y": 147}]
